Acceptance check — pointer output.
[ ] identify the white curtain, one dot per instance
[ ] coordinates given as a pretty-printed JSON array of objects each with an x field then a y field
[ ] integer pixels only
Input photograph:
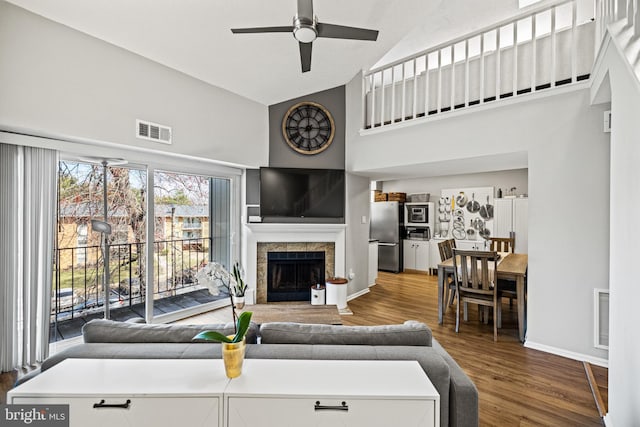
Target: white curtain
[{"x": 28, "y": 179}]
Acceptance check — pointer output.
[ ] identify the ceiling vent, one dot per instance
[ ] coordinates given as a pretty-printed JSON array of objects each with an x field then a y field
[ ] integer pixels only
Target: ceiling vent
[{"x": 153, "y": 132}]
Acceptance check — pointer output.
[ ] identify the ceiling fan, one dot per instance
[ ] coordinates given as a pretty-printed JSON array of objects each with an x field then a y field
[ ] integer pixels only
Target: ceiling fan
[{"x": 306, "y": 29}]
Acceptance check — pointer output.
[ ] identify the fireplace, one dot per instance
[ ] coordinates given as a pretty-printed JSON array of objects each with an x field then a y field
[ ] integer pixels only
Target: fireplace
[
  {"x": 290, "y": 275},
  {"x": 262, "y": 238}
]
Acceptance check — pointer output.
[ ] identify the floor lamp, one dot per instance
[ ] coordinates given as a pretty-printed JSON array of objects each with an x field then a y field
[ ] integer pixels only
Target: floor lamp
[
  {"x": 104, "y": 229},
  {"x": 103, "y": 224}
]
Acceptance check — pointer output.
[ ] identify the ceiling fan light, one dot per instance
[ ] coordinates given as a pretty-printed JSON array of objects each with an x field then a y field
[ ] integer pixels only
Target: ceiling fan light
[{"x": 305, "y": 33}]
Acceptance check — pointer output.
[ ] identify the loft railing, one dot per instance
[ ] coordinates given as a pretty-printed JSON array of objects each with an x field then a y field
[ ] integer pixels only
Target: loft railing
[
  {"x": 544, "y": 48},
  {"x": 78, "y": 275}
]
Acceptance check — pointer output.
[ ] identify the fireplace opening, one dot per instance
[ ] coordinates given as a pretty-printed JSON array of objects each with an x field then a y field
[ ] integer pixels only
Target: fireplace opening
[{"x": 290, "y": 275}]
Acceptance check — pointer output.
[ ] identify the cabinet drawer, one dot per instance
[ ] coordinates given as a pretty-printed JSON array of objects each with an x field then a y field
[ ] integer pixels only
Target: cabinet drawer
[
  {"x": 296, "y": 412},
  {"x": 141, "y": 411}
]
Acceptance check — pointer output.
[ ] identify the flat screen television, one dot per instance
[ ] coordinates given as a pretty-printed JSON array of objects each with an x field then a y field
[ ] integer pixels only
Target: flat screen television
[{"x": 302, "y": 195}]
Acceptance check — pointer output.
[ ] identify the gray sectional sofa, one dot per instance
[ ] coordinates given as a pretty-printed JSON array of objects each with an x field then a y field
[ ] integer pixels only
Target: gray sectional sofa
[{"x": 409, "y": 341}]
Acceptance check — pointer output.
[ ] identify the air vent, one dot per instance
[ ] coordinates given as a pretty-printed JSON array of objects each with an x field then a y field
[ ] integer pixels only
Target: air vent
[{"x": 153, "y": 132}]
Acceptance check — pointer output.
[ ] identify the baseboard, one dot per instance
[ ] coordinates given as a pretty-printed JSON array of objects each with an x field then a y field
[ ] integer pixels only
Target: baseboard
[
  {"x": 358, "y": 294},
  {"x": 568, "y": 354},
  {"x": 607, "y": 421}
]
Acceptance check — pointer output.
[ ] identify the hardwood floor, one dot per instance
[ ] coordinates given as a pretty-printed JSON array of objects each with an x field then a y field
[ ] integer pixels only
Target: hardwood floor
[{"x": 517, "y": 386}]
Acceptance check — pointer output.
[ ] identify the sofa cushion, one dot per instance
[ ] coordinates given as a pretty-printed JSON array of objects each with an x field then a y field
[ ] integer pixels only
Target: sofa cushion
[
  {"x": 410, "y": 333},
  {"x": 109, "y": 331}
]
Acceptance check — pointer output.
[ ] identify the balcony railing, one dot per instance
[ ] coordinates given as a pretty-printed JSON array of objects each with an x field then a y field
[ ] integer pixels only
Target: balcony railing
[
  {"x": 79, "y": 271},
  {"x": 541, "y": 49}
]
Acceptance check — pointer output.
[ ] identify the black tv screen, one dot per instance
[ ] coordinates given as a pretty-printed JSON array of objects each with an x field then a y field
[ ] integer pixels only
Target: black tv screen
[{"x": 312, "y": 194}]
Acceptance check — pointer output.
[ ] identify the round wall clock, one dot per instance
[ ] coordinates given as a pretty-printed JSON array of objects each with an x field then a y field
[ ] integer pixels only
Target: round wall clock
[{"x": 308, "y": 128}]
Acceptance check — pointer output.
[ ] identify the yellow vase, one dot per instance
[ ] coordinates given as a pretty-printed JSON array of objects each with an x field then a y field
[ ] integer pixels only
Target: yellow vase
[{"x": 233, "y": 356}]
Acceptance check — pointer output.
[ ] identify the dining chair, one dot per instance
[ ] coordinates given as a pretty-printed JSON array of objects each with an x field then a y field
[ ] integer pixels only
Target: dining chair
[
  {"x": 474, "y": 273},
  {"x": 446, "y": 252},
  {"x": 502, "y": 244},
  {"x": 506, "y": 288}
]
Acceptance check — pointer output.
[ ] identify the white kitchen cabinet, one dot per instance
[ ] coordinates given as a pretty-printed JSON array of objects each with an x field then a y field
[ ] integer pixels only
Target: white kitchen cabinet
[
  {"x": 168, "y": 392},
  {"x": 373, "y": 262},
  {"x": 292, "y": 393},
  {"x": 511, "y": 215},
  {"x": 416, "y": 255},
  {"x": 472, "y": 245}
]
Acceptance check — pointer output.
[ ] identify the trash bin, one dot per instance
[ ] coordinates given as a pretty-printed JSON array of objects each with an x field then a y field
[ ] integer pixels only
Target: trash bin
[
  {"x": 317, "y": 294},
  {"x": 337, "y": 292}
]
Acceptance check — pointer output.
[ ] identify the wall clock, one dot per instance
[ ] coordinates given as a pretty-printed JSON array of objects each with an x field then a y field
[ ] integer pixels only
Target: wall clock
[{"x": 308, "y": 128}]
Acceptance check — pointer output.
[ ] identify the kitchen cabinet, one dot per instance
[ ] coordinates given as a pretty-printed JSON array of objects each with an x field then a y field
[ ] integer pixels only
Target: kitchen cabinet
[
  {"x": 416, "y": 255},
  {"x": 472, "y": 245},
  {"x": 275, "y": 393},
  {"x": 511, "y": 215}
]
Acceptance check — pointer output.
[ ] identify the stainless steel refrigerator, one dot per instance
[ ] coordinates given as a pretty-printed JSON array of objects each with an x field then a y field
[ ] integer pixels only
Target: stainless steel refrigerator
[{"x": 387, "y": 227}]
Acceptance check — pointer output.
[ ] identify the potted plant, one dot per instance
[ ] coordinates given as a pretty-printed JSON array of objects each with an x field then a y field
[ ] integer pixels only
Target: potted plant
[
  {"x": 240, "y": 286},
  {"x": 233, "y": 346}
]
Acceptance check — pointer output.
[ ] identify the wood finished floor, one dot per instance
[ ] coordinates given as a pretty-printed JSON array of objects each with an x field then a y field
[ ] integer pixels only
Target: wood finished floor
[{"x": 517, "y": 386}]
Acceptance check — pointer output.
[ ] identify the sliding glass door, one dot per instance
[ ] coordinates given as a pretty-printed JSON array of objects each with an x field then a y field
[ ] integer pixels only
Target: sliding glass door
[
  {"x": 191, "y": 229},
  {"x": 88, "y": 256},
  {"x": 192, "y": 226}
]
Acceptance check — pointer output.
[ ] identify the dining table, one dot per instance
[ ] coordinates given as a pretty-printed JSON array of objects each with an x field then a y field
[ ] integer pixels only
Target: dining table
[{"x": 511, "y": 267}]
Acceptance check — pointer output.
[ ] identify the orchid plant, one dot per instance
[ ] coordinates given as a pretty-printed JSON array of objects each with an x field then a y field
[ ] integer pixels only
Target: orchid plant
[{"x": 215, "y": 277}]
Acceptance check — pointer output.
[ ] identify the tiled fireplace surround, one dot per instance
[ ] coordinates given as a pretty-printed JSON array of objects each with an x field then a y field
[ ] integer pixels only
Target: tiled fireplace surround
[{"x": 263, "y": 238}]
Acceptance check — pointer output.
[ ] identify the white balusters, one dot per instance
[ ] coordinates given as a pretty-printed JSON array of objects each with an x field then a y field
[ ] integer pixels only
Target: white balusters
[{"x": 554, "y": 59}]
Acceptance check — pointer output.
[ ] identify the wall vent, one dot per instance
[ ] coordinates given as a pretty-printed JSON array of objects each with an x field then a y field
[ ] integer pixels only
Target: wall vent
[
  {"x": 153, "y": 132},
  {"x": 601, "y": 318}
]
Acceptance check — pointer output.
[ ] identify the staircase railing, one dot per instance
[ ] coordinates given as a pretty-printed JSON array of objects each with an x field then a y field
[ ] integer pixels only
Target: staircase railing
[{"x": 546, "y": 47}]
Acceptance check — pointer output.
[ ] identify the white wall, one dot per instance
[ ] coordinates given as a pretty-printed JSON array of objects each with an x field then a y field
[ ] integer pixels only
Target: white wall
[
  {"x": 433, "y": 185},
  {"x": 357, "y": 245},
  {"x": 64, "y": 82},
  {"x": 568, "y": 163},
  {"x": 624, "y": 345}
]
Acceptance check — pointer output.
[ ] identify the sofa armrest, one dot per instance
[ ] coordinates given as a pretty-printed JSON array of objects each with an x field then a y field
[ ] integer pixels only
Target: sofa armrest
[{"x": 463, "y": 397}]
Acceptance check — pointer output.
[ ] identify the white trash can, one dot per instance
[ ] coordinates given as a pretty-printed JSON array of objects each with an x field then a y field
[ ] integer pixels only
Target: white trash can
[
  {"x": 318, "y": 294},
  {"x": 337, "y": 292}
]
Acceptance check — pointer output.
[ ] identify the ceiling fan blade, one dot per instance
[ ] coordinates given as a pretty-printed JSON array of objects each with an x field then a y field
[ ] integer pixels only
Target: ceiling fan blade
[
  {"x": 287, "y": 29},
  {"x": 305, "y": 56},
  {"x": 305, "y": 9},
  {"x": 341, "y": 32}
]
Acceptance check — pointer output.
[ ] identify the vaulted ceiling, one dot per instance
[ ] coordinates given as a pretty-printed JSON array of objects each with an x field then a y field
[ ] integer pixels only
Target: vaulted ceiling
[{"x": 194, "y": 37}]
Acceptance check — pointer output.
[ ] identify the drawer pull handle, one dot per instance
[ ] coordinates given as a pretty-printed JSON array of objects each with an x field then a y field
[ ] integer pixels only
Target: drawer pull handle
[
  {"x": 101, "y": 404},
  {"x": 342, "y": 407}
]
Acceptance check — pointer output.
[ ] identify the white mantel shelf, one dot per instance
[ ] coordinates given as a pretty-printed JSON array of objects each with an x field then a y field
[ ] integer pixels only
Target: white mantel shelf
[
  {"x": 271, "y": 227},
  {"x": 290, "y": 233}
]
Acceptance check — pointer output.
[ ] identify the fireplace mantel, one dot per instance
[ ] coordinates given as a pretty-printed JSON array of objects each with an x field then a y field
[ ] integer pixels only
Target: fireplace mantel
[{"x": 289, "y": 233}]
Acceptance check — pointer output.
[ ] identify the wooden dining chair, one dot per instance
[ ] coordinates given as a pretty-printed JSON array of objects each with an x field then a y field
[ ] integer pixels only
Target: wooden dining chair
[
  {"x": 446, "y": 252},
  {"x": 502, "y": 244},
  {"x": 475, "y": 283},
  {"x": 506, "y": 288}
]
